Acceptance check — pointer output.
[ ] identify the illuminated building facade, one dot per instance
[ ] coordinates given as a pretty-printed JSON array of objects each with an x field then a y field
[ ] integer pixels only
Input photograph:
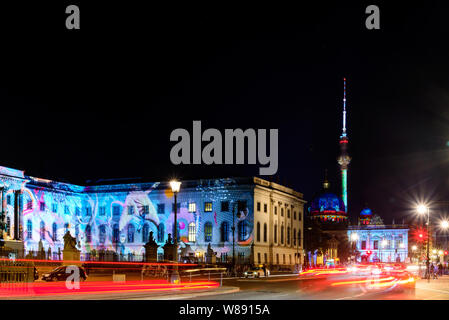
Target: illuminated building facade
[
  {"x": 119, "y": 217},
  {"x": 375, "y": 242}
]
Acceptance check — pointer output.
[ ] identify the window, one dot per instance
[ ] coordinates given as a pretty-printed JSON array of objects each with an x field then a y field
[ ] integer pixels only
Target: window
[
  {"x": 265, "y": 207},
  {"x": 224, "y": 257},
  {"x": 208, "y": 206},
  {"x": 299, "y": 215},
  {"x": 54, "y": 208},
  {"x": 288, "y": 213},
  {"x": 282, "y": 212},
  {"x": 55, "y": 232},
  {"x": 29, "y": 204},
  {"x": 258, "y": 257},
  {"x": 294, "y": 215},
  {"x": 42, "y": 230},
  {"x": 130, "y": 210},
  {"x": 241, "y": 256},
  {"x": 161, "y": 232},
  {"x": 192, "y": 207},
  {"x": 77, "y": 211},
  {"x": 265, "y": 257},
  {"x": 208, "y": 232},
  {"x": 102, "y": 234},
  {"x": 258, "y": 206},
  {"x": 116, "y": 210},
  {"x": 41, "y": 206},
  {"x": 146, "y": 209},
  {"x": 264, "y": 232},
  {"x": 8, "y": 199},
  {"x": 277, "y": 258},
  {"x": 8, "y": 226},
  {"x": 275, "y": 210},
  {"x": 375, "y": 244},
  {"x": 258, "y": 232},
  {"x": 275, "y": 233},
  {"x": 294, "y": 237},
  {"x": 130, "y": 233},
  {"x": 102, "y": 211},
  {"x": 299, "y": 237},
  {"x": 88, "y": 233},
  {"x": 88, "y": 211},
  {"x": 225, "y": 206},
  {"x": 224, "y": 231},
  {"x": 243, "y": 230},
  {"x": 66, "y": 228},
  {"x": 161, "y": 208},
  {"x": 192, "y": 232},
  {"x": 363, "y": 245},
  {"x": 115, "y": 233},
  {"x": 282, "y": 234},
  {"x": 66, "y": 209},
  {"x": 178, "y": 207},
  {"x": 29, "y": 229},
  {"x": 242, "y": 205},
  {"x": 288, "y": 235},
  {"x": 283, "y": 258},
  {"x": 145, "y": 233}
]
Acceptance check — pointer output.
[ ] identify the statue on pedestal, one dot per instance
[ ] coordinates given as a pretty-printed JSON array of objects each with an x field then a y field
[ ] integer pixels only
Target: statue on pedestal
[
  {"x": 70, "y": 251},
  {"x": 151, "y": 249}
]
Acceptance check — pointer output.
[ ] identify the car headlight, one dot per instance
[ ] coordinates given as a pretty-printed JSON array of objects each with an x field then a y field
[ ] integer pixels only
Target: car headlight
[{"x": 245, "y": 273}]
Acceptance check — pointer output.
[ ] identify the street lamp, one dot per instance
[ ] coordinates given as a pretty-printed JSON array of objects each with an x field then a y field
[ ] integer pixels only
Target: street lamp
[
  {"x": 422, "y": 209},
  {"x": 444, "y": 224},
  {"x": 175, "y": 186}
]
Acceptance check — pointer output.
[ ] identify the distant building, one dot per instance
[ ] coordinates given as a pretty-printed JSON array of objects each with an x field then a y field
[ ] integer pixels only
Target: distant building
[
  {"x": 268, "y": 218},
  {"x": 372, "y": 241}
]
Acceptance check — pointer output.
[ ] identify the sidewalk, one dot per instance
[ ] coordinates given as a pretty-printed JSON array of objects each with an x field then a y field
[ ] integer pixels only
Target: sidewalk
[
  {"x": 188, "y": 295},
  {"x": 433, "y": 289}
]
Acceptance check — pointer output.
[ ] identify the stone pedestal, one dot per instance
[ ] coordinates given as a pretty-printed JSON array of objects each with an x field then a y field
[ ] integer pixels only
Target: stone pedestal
[
  {"x": 151, "y": 252},
  {"x": 71, "y": 255},
  {"x": 169, "y": 251},
  {"x": 15, "y": 247}
]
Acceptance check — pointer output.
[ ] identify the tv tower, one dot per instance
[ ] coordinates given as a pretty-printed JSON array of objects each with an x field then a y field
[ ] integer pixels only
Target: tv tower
[{"x": 344, "y": 159}]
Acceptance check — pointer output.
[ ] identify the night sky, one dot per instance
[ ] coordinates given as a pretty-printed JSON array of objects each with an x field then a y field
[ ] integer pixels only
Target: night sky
[{"x": 101, "y": 102}]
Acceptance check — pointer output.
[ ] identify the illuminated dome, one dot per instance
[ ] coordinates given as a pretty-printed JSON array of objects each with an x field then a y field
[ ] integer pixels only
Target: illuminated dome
[
  {"x": 327, "y": 206},
  {"x": 366, "y": 212}
]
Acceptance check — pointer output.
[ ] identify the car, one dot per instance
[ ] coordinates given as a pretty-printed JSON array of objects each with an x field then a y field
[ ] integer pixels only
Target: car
[
  {"x": 61, "y": 274},
  {"x": 256, "y": 272}
]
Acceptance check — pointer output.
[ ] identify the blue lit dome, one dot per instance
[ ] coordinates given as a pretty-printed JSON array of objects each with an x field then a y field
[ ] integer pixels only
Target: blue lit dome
[
  {"x": 366, "y": 212},
  {"x": 327, "y": 203}
]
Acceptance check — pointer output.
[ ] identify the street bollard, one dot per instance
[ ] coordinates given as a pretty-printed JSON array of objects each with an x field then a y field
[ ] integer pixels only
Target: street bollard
[{"x": 221, "y": 279}]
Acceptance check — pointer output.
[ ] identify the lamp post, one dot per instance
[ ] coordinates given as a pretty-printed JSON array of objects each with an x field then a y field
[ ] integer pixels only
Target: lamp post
[
  {"x": 422, "y": 209},
  {"x": 175, "y": 186},
  {"x": 354, "y": 238},
  {"x": 233, "y": 235}
]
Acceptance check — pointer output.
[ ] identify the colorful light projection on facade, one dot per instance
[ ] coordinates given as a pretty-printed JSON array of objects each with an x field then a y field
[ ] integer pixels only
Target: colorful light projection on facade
[{"x": 119, "y": 218}]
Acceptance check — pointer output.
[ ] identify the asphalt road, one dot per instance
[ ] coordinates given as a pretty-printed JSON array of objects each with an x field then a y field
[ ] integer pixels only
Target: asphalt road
[{"x": 294, "y": 288}]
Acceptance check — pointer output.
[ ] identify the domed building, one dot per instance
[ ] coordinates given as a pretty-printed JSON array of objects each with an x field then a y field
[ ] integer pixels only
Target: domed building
[
  {"x": 365, "y": 216},
  {"x": 327, "y": 206}
]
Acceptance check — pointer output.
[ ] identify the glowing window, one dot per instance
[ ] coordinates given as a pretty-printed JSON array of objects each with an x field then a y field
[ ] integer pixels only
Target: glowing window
[
  {"x": 29, "y": 229},
  {"x": 224, "y": 231},
  {"x": 192, "y": 207},
  {"x": 55, "y": 232},
  {"x": 54, "y": 208},
  {"x": 116, "y": 210},
  {"x": 161, "y": 232},
  {"x": 102, "y": 211},
  {"x": 192, "y": 232},
  {"x": 42, "y": 206},
  {"x": 208, "y": 232},
  {"x": 146, "y": 233},
  {"x": 208, "y": 206},
  {"x": 102, "y": 233},
  {"x": 66, "y": 210},
  {"x": 243, "y": 230},
  {"x": 130, "y": 233}
]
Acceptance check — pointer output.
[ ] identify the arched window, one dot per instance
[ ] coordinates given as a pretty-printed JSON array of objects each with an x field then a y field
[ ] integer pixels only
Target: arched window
[
  {"x": 8, "y": 226},
  {"x": 88, "y": 234},
  {"x": 66, "y": 228},
  {"x": 275, "y": 233},
  {"x": 29, "y": 229},
  {"x": 224, "y": 231},
  {"x": 130, "y": 233},
  {"x": 282, "y": 234},
  {"x": 160, "y": 232},
  {"x": 288, "y": 235},
  {"x": 42, "y": 230},
  {"x": 264, "y": 232},
  {"x": 243, "y": 230},
  {"x": 145, "y": 233},
  {"x": 55, "y": 232},
  {"x": 208, "y": 232},
  {"x": 192, "y": 232},
  {"x": 115, "y": 233},
  {"x": 102, "y": 233},
  {"x": 294, "y": 237},
  {"x": 258, "y": 231}
]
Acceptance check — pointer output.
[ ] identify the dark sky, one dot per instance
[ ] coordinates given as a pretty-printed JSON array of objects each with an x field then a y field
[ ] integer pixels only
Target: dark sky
[{"x": 101, "y": 102}]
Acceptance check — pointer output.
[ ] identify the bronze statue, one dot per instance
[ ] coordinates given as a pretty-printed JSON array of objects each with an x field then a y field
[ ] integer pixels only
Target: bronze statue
[{"x": 69, "y": 242}]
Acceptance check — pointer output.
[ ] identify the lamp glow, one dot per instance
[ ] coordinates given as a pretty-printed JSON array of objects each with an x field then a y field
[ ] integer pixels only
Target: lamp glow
[
  {"x": 414, "y": 248},
  {"x": 175, "y": 185},
  {"x": 444, "y": 224},
  {"x": 422, "y": 209}
]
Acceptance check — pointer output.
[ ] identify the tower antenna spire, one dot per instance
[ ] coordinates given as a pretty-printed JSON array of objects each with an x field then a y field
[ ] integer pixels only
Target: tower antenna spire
[{"x": 344, "y": 107}]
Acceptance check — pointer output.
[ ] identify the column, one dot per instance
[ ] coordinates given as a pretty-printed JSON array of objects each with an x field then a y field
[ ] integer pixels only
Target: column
[{"x": 17, "y": 214}]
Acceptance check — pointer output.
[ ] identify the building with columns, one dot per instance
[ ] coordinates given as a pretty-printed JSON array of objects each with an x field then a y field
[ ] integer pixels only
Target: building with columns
[{"x": 118, "y": 218}]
